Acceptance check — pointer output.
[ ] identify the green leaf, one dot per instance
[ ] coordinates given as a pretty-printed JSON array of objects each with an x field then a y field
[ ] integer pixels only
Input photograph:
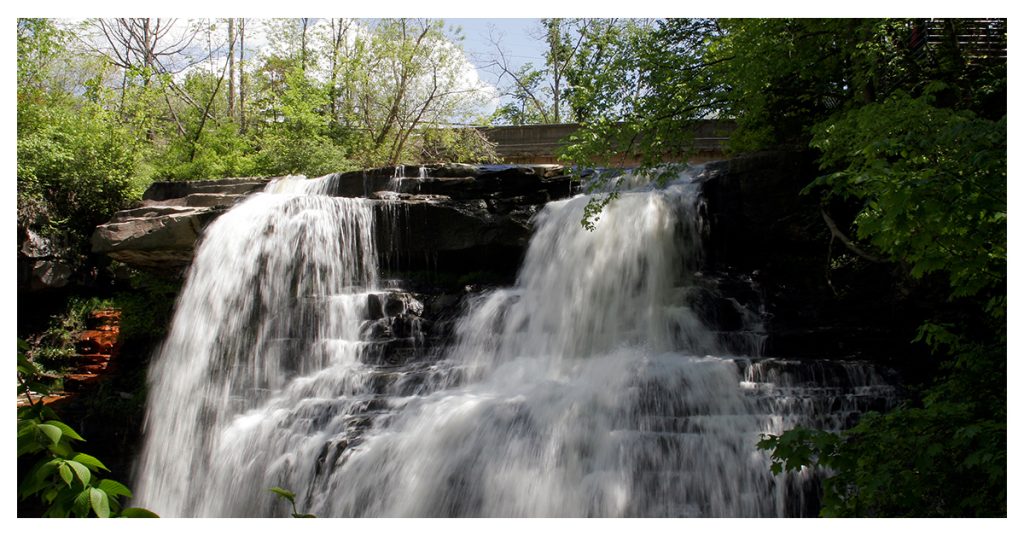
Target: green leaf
[
  {"x": 61, "y": 450},
  {"x": 82, "y": 471},
  {"x": 284, "y": 493},
  {"x": 65, "y": 474},
  {"x": 100, "y": 504},
  {"x": 28, "y": 445},
  {"x": 89, "y": 461},
  {"x": 51, "y": 431},
  {"x": 114, "y": 488},
  {"x": 67, "y": 430},
  {"x": 81, "y": 505},
  {"x": 137, "y": 512}
]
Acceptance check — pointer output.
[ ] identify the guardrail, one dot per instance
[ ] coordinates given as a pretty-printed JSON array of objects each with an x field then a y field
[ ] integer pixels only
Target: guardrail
[{"x": 540, "y": 144}]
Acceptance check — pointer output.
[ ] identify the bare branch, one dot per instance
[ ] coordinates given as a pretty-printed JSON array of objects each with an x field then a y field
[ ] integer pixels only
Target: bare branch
[{"x": 836, "y": 233}]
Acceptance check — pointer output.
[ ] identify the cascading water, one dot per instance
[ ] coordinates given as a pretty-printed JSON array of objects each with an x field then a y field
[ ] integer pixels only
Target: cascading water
[
  {"x": 586, "y": 390},
  {"x": 266, "y": 330},
  {"x": 590, "y": 388}
]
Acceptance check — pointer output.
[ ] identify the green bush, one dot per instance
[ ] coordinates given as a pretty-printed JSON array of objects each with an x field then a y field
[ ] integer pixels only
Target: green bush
[
  {"x": 64, "y": 482},
  {"x": 76, "y": 167}
]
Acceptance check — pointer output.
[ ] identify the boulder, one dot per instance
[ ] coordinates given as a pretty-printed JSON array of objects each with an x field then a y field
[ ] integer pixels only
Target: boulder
[
  {"x": 154, "y": 237},
  {"x": 161, "y": 234},
  {"x": 50, "y": 273},
  {"x": 40, "y": 264}
]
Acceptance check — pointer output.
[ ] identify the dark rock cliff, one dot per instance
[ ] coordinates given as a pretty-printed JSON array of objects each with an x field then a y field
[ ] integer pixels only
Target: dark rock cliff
[
  {"x": 442, "y": 227},
  {"x": 819, "y": 299}
]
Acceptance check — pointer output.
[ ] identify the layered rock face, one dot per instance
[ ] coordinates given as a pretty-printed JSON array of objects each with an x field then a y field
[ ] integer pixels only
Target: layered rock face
[
  {"x": 162, "y": 233},
  {"x": 440, "y": 227},
  {"x": 452, "y": 216}
]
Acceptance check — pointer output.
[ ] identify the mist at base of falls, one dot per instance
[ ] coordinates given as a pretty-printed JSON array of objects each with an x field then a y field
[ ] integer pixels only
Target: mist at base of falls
[{"x": 592, "y": 387}]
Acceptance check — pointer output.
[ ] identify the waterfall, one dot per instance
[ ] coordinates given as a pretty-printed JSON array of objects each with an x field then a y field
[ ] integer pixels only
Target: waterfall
[
  {"x": 594, "y": 386},
  {"x": 266, "y": 329}
]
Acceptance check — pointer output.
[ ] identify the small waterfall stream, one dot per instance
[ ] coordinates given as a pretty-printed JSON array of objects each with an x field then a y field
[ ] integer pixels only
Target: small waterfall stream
[{"x": 592, "y": 387}]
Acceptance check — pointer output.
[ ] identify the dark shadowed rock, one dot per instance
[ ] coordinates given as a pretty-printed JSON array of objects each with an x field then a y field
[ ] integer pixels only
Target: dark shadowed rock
[
  {"x": 164, "y": 190},
  {"x": 760, "y": 225},
  {"x": 457, "y": 181},
  {"x": 50, "y": 274},
  {"x": 40, "y": 266},
  {"x": 418, "y": 225}
]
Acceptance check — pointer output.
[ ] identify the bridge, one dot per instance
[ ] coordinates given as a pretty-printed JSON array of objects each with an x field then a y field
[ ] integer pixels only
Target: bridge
[{"x": 540, "y": 144}]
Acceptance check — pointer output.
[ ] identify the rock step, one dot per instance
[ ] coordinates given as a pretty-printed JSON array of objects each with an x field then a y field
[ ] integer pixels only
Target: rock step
[
  {"x": 164, "y": 190},
  {"x": 97, "y": 348}
]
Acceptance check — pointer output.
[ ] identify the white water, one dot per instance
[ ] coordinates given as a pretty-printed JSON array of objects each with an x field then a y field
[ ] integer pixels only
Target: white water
[
  {"x": 587, "y": 390},
  {"x": 590, "y": 388},
  {"x": 267, "y": 325}
]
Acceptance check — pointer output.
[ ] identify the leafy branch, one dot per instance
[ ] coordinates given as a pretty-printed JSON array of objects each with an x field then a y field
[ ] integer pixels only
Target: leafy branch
[
  {"x": 66, "y": 482},
  {"x": 290, "y": 497}
]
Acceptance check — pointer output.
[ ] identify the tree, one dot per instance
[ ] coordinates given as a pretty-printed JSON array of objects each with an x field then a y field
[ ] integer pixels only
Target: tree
[
  {"x": 403, "y": 78},
  {"x": 76, "y": 161},
  {"x": 538, "y": 94}
]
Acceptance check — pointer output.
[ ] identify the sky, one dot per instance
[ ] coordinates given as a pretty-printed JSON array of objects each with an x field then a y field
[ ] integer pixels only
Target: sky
[{"x": 514, "y": 35}]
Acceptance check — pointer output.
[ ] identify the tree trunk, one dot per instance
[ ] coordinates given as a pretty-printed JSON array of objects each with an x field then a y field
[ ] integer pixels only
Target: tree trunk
[
  {"x": 231, "y": 69},
  {"x": 241, "y": 75},
  {"x": 305, "y": 28},
  {"x": 149, "y": 44}
]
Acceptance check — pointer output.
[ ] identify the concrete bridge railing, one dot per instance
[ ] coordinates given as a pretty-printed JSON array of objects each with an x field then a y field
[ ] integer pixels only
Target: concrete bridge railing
[{"x": 540, "y": 144}]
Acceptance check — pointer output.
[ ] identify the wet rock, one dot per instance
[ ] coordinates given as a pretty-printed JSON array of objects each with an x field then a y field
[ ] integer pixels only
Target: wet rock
[
  {"x": 458, "y": 181},
  {"x": 450, "y": 225},
  {"x": 374, "y": 306},
  {"x": 373, "y": 330}
]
